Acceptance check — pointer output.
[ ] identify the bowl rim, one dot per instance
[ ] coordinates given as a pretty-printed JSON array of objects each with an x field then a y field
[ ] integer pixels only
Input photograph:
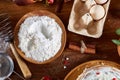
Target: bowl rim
[
  {"x": 75, "y": 72},
  {"x": 40, "y": 13}
]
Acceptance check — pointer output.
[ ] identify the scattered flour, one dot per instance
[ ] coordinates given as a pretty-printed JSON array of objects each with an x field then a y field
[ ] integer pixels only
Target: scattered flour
[{"x": 40, "y": 37}]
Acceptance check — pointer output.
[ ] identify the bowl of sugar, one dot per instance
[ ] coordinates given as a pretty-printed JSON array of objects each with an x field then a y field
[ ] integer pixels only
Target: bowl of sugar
[{"x": 39, "y": 37}]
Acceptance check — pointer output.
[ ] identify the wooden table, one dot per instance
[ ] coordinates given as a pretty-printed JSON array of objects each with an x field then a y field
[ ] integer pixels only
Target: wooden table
[{"x": 106, "y": 50}]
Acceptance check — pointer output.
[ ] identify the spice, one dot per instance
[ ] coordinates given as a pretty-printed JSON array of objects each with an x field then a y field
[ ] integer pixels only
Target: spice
[
  {"x": 114, "y": 79},
  {"x": 67, "y": 58},
  {"x": 97, "y": 73},
  {"x": 46, "y": 78},
  {"x": 87, "y": 49},
  {"x": 65, "y": 67},
  {"x": 65, "y": 62}
]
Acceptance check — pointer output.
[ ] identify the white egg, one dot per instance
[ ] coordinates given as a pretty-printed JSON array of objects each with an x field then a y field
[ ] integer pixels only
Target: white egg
[
  {"x": 97, "y": 12},
  {"x": 83, "y": 0},
  {"x": 90, "y": 3},
  {"x": 101, "y": 1}
]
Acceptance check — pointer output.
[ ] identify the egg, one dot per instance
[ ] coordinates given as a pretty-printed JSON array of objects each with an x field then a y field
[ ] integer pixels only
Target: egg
[
  {"x": 101, "y": 1},
  {"x": 97, "y": 12},
  {"x": 89, "y": 3},
  {"x": 83, "y": 0}
]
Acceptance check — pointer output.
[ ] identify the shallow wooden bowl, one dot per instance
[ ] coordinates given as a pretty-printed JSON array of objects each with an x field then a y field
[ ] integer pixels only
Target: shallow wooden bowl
[
  {"x": 39, "y": 13},
  {"x": 73, "y": 74}
]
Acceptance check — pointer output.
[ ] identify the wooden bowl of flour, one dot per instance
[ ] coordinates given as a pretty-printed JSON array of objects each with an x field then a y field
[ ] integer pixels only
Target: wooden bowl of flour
[{"x": 39, "y": 13}]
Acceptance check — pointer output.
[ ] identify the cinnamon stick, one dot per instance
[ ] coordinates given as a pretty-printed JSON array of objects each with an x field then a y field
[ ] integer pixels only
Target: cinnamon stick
[
  {"x": 90, "y": 50},
  {"x": 75, "y": 47}
]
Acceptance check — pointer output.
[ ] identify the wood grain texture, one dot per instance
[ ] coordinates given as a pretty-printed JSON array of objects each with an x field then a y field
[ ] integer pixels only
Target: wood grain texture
[{"x": 106, "y": 50}]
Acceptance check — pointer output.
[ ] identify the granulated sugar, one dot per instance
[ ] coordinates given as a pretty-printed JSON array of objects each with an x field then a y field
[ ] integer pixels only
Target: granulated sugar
[{"x": 40, "y": 37}]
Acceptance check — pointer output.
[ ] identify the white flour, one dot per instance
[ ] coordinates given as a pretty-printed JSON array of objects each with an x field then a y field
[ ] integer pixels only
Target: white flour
[{"x": 40, "y": 37}]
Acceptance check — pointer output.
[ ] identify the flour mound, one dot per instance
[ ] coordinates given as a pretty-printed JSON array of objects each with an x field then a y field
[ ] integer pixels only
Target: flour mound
[{"x": 39, "y": 37}]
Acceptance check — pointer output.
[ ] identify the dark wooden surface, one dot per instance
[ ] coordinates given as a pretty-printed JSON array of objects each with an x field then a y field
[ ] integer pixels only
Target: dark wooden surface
[{"x": 106, "y": 50}]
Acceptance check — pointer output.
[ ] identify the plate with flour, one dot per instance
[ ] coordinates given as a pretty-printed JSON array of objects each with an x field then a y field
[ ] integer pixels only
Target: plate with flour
[
  {"x": 39, "y": 37},
  {"x": 95, "y": 70}
]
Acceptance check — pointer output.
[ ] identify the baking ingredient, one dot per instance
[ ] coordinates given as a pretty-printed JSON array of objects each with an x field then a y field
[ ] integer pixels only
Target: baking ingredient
[
  {"x": 83, "y": 48},
  {"x": 101, "y": 1},
  {"x": 83, "y": 0},
  {"x": 100, "y": 73},
  {"x": 86, "y": 19},
  {"x": 90, "y": 3},
  {"x": 97, "y": 12},
  {"x": 65, "y": 62},
  {"x": 40, "y": 37},
  {"x": 64, "y": 67},
  {"x": 46, "y": 78}
]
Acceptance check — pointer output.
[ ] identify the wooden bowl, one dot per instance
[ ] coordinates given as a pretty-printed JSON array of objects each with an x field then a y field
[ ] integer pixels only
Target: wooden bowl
[
  {"x": 73, "y": 74},
  {"x": 39, "y": 13}
]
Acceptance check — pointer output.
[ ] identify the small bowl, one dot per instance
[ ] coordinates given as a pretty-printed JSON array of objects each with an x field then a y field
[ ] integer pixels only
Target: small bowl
[{"x": 39, "y": 13}]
